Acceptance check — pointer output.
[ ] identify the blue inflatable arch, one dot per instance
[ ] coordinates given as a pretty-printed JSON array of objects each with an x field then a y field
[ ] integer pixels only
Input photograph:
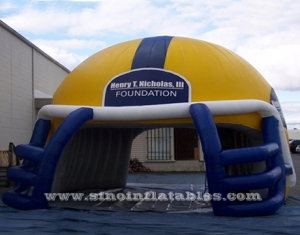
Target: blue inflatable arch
[{"x": 36, "y": 176}]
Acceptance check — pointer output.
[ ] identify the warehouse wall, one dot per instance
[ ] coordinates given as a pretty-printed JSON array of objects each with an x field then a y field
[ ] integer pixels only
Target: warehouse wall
[
  {"x": 23, "y": 68},
  {"x": 47, "y": 75}
]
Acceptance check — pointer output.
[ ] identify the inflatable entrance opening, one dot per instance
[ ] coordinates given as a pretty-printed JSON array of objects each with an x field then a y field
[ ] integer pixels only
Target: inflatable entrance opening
[{"x": 82, "y": 141}]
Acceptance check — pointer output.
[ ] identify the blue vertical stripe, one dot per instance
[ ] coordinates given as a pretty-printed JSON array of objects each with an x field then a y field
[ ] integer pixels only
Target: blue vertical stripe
[{"x": 151, "y": 52}]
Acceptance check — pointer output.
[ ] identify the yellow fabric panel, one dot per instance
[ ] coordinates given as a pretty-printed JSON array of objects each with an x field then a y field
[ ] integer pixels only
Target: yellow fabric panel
[
  {"x": 55, "y": 122},
  {"x": 85, "y": 84},
  {"x": 216, "y": 73},
  {"x": 213, "y": 72},
  {"x": 286, "y": 192}
]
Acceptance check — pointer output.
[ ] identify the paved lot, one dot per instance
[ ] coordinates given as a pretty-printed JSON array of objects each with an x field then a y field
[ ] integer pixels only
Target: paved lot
[{"x": 69, "y": 221}]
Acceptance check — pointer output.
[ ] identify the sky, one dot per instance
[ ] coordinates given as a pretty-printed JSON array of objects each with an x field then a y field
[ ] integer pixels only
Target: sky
[{"x": 265, "y": 33}]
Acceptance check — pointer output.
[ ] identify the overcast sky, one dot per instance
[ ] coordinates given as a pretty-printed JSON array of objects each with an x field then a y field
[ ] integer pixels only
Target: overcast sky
[{"x": 265, "y": 33}]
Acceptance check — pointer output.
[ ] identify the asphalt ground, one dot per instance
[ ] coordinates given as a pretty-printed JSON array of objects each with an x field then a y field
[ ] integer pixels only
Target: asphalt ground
[{"x": 69, "y": 221}]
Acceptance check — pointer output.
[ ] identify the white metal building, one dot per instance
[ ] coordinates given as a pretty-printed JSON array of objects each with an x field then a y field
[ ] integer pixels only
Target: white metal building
[{"x": 28, "y": 79}]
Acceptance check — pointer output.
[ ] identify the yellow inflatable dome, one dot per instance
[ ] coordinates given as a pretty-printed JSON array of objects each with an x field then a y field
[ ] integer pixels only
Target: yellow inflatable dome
[
  {"x": 163, "y": 70},
  {"x": 82, "y": 141}
]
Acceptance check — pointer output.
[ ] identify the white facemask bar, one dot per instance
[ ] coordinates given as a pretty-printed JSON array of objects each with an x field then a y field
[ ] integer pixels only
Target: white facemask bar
[{"x": 178, "y": 110}]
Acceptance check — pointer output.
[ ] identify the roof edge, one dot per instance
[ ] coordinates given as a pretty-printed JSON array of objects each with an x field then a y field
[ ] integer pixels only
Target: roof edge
[{"x": 22, "y": 38}]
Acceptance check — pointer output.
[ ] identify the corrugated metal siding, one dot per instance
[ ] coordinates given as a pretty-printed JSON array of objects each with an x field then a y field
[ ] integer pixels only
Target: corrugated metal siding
[
  {"x": 139, "y": 146},
  {"x": 15, "y": 91},
  {"x": 24, "y": 68}
]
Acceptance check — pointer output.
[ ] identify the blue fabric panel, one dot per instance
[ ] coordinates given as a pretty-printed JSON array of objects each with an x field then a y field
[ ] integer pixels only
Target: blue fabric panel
[
  {"x": 206, "y": 128},
  {"x": 39, "y": 173},
  {"x": 254, "y": 181},
  {"x": 17, "y": 174},
  {"x": 55, "y": 147},
  {"x": 211, "y": 147},
  {"x": 273, "y": 98},
  {"x": 251, "y": 154},
  {"x": 18, "y": 201},
  {"x": 288, "y": 169},
  {"x": 272, "y": 178},
  {"x": 29, "y": 152},
  {"x": 276, "y": 192},
  {"x": 31, "y": 162},
  {"x": 151, "y": 53},
  {"x": 271, "y": 134},
  {"x": 40, "y": 132}
]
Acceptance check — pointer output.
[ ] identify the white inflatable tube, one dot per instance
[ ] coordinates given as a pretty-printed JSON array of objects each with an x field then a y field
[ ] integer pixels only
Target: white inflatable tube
[{"x": 178, "y": 110}]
